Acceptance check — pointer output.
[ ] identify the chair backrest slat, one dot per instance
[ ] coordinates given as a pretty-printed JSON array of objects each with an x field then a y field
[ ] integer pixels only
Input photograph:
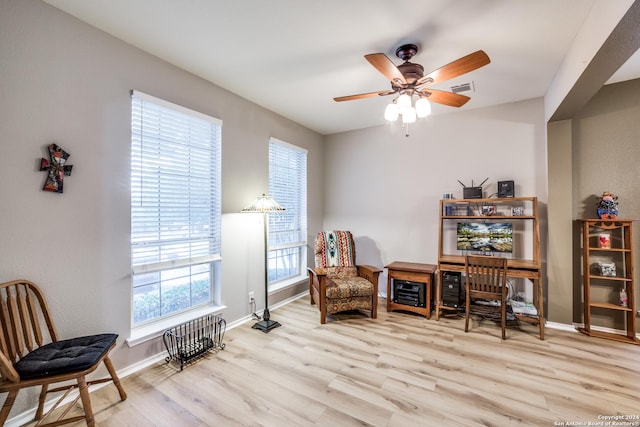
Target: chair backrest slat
[
  {"x": 6, "y": 336},
  {"x": 24, "y": 316},
  {"x": 14, "y": 318},
  {"x": 486, "y": 274},
  {"x": 25, "y": 320},
  {"x": 32, "y": 305}
]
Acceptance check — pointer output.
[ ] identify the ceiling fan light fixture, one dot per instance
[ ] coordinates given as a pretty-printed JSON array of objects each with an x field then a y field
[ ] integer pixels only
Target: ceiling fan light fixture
[
  {"x": 391, "y": 112},
  {"x": 409, "y": 115},
  {"x": 423, "y": 107},
  {"x": 408, "y": 79},
  {"x": 404, "y": 101}
]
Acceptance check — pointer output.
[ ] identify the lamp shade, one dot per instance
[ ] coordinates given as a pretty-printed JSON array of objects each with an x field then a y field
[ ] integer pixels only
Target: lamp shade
[
  {"x": 409, "y": 115},
  {"x": 391, "y": 112},
  {"x": 423, "y": 107},
  {"x": 263, "y": 203},
  {"x": 404, "y": 101}
]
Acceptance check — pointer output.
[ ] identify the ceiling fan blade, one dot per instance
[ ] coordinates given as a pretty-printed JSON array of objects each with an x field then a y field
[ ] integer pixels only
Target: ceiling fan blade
[
  {"x": 363, "y": 95},
  {"x": 447, "y": 98},
  {"x": 456, "y": 68},
  {"x": 383, "y": 64}
]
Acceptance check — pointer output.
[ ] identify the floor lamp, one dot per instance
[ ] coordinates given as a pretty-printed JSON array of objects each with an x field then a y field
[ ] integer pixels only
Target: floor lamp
[{"x": 265, "y": 204}]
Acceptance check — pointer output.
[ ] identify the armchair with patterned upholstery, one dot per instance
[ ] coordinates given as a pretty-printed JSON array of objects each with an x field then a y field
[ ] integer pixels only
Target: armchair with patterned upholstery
[{"x": 336, "y": 283}]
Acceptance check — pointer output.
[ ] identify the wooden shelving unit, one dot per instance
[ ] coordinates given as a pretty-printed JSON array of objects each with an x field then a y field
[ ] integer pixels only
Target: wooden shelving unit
[
  {"x": 452, "y": 260},
  {"x": 616, "y": 249}
]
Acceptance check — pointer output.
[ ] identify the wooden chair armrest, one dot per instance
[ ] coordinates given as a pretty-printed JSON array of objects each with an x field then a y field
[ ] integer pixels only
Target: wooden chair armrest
[
  {"x": 370, "y": 273},
  {"x": 316, "y": 271},
  {"x": 369, "y": 269},
  {"x": 318, "y": 279}
]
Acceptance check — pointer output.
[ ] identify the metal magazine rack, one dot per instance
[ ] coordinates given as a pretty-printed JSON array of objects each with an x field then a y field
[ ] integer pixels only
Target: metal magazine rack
[{"x": 193, "y": 339}]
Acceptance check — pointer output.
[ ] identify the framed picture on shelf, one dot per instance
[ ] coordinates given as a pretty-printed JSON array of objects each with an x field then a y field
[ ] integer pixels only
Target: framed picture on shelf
[
  {"x": 517, "y": 211},
  {"x": 488, "y": 210}
]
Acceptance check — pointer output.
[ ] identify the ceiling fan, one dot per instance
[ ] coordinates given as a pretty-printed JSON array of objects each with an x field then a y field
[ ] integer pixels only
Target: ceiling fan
[{"x": 409, "y": 79}]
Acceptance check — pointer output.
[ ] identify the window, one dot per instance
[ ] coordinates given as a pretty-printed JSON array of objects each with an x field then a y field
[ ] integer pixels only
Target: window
[
  {"x": 288, "y": 229},
  {"x": 175, "y": 208}
]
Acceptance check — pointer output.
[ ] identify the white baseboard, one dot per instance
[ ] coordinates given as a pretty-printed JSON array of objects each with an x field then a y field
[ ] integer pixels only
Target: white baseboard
[{"x": 560, "y": 326}]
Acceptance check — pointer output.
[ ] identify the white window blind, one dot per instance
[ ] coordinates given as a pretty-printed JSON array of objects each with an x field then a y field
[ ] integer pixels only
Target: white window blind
[
  {"x": 175, "y": 199},
  {"x": 288, "y": 229}
]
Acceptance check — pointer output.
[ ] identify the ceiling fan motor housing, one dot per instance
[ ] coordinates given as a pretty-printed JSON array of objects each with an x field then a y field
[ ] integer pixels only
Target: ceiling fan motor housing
[{"x": 411, "y": 72}]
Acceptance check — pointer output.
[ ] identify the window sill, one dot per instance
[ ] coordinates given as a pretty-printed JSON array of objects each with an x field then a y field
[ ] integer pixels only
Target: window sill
[
  {"x": 153, "y": 330},
  {"x": 287, "y": 283}
]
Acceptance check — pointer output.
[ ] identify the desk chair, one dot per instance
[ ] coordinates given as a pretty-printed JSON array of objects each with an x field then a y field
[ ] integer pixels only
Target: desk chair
[
  {"x": 486, "y": 278},
  {"x": 31, "y": 354}
]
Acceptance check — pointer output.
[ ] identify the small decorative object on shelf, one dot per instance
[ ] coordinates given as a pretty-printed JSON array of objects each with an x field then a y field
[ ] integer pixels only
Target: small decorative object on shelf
[
  {"x": 461, "y": 210},
  {"x": 607, "y": 206},
  {"x": 517, "y": 211},
  {"x": 604, "y": 240},
  {"x": 607, "y": 269},
  {"x": 488, "y": 210},
  {"x": 624, "y": 299}
]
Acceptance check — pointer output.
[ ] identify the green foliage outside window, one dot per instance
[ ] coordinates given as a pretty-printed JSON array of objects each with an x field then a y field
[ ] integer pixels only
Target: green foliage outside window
[{"x": 150, "y": 305}]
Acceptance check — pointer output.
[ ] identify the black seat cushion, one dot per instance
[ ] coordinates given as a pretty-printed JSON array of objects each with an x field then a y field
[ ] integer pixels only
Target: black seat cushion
[{"x": 60, "y": 357}]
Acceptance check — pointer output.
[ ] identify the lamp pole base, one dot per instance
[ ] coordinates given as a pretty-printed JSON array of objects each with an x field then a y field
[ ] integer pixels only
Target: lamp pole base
[{"x": 266, "y": 325}]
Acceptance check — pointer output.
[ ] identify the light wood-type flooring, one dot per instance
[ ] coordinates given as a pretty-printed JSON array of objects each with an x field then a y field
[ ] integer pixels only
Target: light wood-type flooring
[{"x": 398, "y": 370}]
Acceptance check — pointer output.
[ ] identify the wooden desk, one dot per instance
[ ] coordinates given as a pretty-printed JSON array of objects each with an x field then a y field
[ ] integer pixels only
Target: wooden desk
[
  {"x": 413, "y": 272},
  {"x": 515, "y": 268}
]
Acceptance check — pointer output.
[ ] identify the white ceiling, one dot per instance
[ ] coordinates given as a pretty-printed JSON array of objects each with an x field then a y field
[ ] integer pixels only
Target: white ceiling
[{"x": 292, "y": 57}]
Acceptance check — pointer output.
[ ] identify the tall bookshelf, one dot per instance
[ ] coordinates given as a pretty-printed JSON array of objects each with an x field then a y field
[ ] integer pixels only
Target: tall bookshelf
[
  {"x": 607, "y": 258},
  {"x": 523, "y": 262}
]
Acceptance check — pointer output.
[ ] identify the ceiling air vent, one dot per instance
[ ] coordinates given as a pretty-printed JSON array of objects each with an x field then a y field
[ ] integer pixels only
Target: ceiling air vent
[{"x": 464, "y": 87}]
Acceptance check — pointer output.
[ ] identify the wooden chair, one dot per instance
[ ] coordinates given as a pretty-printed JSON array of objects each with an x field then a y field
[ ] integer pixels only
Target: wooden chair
[
  {"x": 31, "y": 354},
  {"x": 337, "y": 283},
  {"x": 486, "y": 278}
]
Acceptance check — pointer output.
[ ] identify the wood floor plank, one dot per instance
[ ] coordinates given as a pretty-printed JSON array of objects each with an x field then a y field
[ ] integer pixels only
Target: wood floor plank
[{"x": 398, "y": 370}]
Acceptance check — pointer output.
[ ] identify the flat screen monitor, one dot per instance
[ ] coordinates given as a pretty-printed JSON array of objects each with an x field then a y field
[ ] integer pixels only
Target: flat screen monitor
[{"x": 485, "y": 236}]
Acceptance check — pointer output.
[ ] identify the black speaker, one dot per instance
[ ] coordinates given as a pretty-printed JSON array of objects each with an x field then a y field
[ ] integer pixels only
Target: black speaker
[
  {"x": 505, "y": 189},
  {"x": 452, "y": 292}
]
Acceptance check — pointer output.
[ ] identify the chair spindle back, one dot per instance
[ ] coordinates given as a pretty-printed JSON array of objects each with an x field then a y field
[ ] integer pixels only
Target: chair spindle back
[
  {"x": 486, "y": 274},
  {"x": 25, "y": 320}
]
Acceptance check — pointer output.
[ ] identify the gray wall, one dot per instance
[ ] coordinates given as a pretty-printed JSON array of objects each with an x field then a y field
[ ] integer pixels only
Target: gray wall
[
  {"x": 605, "y": 153},
  {"x": 589, "y": 144},
  {"x": 385, "y": 187},
  {"x": 63, "y": 81},
  {"x": 561, "y": 307},
  {"x": 596, "y": 151}
]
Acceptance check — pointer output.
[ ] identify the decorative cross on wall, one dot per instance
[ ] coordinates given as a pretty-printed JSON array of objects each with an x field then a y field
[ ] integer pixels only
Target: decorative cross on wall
[{"x": 56, "y": 167}]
